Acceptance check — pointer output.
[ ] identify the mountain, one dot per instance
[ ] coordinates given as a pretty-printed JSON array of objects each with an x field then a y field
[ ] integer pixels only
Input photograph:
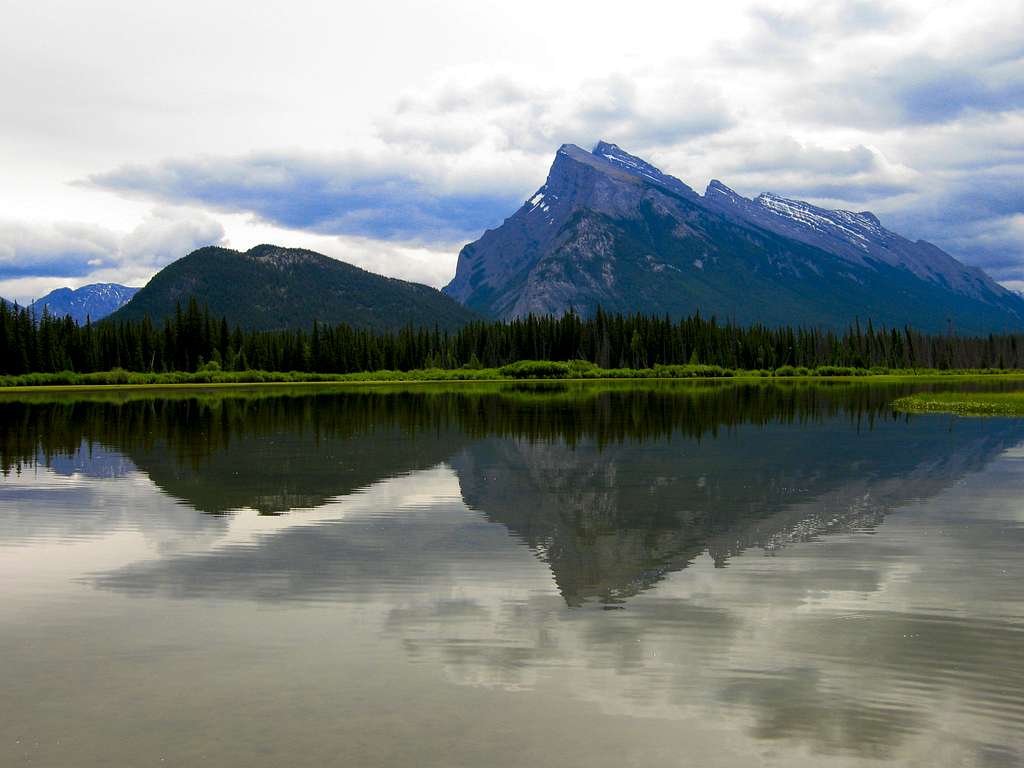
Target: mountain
[
  {"x": 94, "y": 301},
  {"x": 608, "y": 229},
  {"x": 269, "y": 287},
  {"x": 858, "y": 237}
]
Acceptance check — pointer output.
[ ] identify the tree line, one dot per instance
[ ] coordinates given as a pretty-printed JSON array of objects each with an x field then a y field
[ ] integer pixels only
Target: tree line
[
  {"x": 192, "y": 340},
  {"x": 199, "y": 427}
]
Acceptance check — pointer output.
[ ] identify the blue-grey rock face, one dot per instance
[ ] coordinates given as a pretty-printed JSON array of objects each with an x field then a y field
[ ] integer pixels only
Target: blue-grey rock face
[
  {"x": 608, "y": 229},
  {"x": 90, "y": 301},
  {"x": 858, "y": 237}
]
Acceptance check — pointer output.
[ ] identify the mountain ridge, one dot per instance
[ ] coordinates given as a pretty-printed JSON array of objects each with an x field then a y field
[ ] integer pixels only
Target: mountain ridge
[
  {"x": 855, "y": 235},
  {"x": 609, "y": 229}
]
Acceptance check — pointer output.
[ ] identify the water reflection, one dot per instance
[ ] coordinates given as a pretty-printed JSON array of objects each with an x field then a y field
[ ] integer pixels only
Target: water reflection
[
  {"x": 447, "y": 547},
  {"x": 613, "y": 521},
  {"x": 613, "y": 488}
]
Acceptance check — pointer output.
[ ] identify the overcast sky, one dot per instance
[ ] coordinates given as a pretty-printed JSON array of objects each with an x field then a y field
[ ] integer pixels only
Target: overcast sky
[{"x": 388, "y": 134}]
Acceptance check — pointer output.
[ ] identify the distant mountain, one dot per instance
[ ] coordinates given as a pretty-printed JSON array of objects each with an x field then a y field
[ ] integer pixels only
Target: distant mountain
[
  {"x": 609, "y": 229},
  {"x": 90, "y": 301},
  {"x": 269, "y": 287}
]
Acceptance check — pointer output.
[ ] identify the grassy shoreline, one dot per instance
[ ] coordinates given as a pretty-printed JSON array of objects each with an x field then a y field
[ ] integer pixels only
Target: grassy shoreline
[
  {"x": 964, "y": 403},
  {"x": 522, "y": 371}
]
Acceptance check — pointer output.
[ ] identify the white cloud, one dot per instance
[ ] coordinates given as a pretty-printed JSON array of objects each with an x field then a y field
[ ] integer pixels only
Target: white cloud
[
  {"x": 36, "y": 257},
  {"x": 639, "y": 108},
  {"x": 893, "y": 106}
]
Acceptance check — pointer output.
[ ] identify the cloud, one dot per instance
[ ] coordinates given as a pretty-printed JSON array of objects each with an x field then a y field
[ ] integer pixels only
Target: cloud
[
  {"x": 449, "y": 162},
  {"x": 789, "y": 154},
  {"x": 38, "y": 254},
  {"x": 891, "y": 106},
  {"x": 927, "y": 92},
  {"x": 328, "y": 194},
  {"x": 52, "y": 249},
  {"x": 792, "y": 37},
  {"x": 914, "y": 90},
  {"x": 641, "y": 109},
  {"x": 838, "y": 176},
  {"x": 166, "y": 235},
  {"x": 976, "y": 216}
]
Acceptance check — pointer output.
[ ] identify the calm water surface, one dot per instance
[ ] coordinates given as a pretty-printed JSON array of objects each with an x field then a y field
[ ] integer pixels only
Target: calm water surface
[{"x": 510, "y": 576}]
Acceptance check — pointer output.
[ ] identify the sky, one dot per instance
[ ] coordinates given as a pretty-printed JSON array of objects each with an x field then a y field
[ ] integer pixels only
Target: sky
[{"x": 389, "y": 134}]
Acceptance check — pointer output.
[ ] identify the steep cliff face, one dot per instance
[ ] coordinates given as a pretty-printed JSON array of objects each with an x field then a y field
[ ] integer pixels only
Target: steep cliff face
[{"x": 608, "y": 229}]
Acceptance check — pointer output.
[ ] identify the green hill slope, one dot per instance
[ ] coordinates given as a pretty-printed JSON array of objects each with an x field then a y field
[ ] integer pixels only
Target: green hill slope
[{"x": 269, "y": 287}]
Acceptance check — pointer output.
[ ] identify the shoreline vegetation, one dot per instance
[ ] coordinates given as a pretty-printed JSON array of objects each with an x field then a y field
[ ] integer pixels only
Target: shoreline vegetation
[
  {"x": 523, "y": 370},
  {"x": 613, "y": 345},
  {"x": 963, "y": 403}
]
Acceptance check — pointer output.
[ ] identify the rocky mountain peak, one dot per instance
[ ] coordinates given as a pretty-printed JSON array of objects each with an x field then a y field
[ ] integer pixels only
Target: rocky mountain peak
[
  {"x": 716, "y": 190},
  {"x": 610, "y": 229},
  {"x": 639, "y": 168}
]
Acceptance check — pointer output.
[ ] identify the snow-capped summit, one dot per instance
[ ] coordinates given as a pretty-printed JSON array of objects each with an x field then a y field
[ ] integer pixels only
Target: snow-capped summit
[{"x": 717, "y": 189}]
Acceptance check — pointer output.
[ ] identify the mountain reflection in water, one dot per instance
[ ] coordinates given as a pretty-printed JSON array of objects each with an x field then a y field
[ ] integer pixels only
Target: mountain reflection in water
[
  {"x": 612, "y": 488},
  {"x": 448, "y": 547}
]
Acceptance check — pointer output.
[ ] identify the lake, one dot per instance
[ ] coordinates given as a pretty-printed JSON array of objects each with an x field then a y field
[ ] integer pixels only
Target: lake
[{"x": 510, "y": 575}]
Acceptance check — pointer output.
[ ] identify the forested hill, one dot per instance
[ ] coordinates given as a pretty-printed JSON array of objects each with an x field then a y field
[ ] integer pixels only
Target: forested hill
[{"x": 274, "y": 288}]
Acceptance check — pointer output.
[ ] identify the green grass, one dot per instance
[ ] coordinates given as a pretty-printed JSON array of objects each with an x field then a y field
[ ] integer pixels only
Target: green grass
[
  {"x": 522, "y": 370},
  {"x": 965, "y": 403}
]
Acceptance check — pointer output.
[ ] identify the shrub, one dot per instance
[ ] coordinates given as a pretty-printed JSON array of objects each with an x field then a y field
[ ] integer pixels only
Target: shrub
[
  {"x": 834, "y": 370},
  {"x": 583, "y": 369},
  {"x": 536, "y": 369},
  {"x": 689, "y": 371},
  {"x": 790, "y": 370}
]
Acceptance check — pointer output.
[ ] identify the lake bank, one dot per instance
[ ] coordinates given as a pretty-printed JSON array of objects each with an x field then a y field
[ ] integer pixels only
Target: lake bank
[
  {"x": 521, "y": 371},
  {"x": 964, "y": 403}
]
